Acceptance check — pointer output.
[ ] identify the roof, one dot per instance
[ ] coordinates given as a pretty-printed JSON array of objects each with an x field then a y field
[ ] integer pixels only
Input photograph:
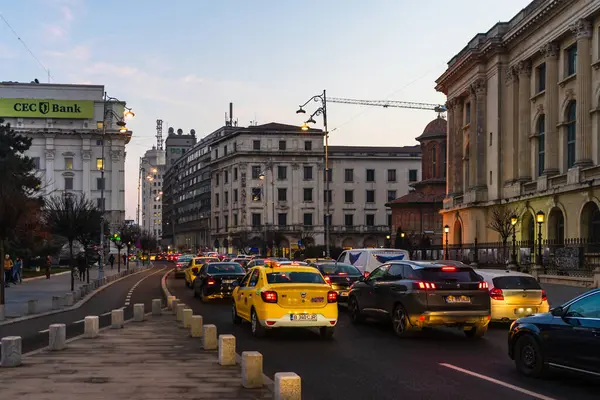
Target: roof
[
  {"x": 417, "y": 198},
  {"x": 435, "y": 129},
  {"x": 494, "y": 273},
  {"x": 275, "y": 126},
  {"x": 375, "y": 149}
]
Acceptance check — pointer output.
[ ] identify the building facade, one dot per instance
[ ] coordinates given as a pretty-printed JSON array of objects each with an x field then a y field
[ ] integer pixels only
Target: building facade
[
  {"x": 152, "y": 171},
  {"x": 524, "y": 125},
  {"x": 66, "y": 125},
  {"x": 178, "y": 144}
]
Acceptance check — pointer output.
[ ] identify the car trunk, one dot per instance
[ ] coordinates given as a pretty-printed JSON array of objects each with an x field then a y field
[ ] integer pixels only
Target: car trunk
[
  {"x": 226, "y": 279},
  {"x": 301, "y": 295},
  {"x": 342, "y": 281},
  {"x": 456, "y": 289},
  {"x": 519, "y": 290}
]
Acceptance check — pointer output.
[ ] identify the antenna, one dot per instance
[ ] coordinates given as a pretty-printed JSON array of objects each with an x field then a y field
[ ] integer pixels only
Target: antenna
[
  {"x": 159, "y": 138},
  {"x": 230, "y": 114}
]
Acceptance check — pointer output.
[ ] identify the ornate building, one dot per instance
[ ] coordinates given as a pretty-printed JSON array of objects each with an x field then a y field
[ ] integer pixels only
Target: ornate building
[{"x": 524, "y": 124}]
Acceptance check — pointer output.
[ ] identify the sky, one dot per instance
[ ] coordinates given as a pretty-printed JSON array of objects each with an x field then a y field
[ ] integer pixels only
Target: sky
[{"x": 183, "y": 61}]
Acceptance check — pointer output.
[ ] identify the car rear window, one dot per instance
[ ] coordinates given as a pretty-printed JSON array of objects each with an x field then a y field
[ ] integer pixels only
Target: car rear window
[
  {"x": 516, "y": 282},
  {"x": 205, "y": 260},
  {"x": 339, "y": 269},
  {"x": 225, "y": 269},
  {"x": 184, "y": 259},
  {"x": 294, "y": 277},
  {"x": 454, "y": 275}
]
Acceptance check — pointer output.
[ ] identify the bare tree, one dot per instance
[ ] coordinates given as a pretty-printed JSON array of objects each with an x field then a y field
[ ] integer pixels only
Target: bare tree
[{"x": 501, "y": 223}]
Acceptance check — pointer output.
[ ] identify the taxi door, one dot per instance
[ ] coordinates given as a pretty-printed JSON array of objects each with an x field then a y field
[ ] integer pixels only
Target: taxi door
[{"x": 245, "y": 292}]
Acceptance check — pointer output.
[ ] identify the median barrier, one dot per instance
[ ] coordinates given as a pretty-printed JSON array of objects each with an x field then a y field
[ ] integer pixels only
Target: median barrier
[
  {"x": 288, "y": 386},
  {"x": 69, "y": 299},
  {"x": 138, "y": 312},
  {"x": 179, "y": 312},
  {"x": 252, "y": 370},
  {"x": 196, "y": 326},
  {"x": 226, "y": 349},
  {"x": 12, "y": 347},
  {"x": 32, "y": 306},
  {"x": 91, "y": 326},
  {"x": 117, "y": 319},
  {"x": 209, "y": 337},
  {"x": 57, "y": 337},
  {"x": 187, "y": 317}
]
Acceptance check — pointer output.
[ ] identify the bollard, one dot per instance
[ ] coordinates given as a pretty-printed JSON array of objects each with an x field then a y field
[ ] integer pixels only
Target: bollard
[
  {"x": 252, "y": 369},
  {"x": 63, "y": 301},
  {"x": 156, "y": 307},
  {"x": 91, "y": 326},
  {"x": 288, "y": 386},
  {"x": 32, "y": 306},
  {"x": 11, "y": 351},
  {"x": 2, "y": 313},
  {"x": 179, "y": 312},
  {"x": 170, "y": 300},
  {"x": 55, "y": 302},
  {"x": 187, "y": 317},
  {"x": 138, "y": 312},
  {"x": 85, "y": 289},
  {"x": 69, "y": 300},
  {"x": 196, "y": 328},
  {"x": 174, "y": 303},
  {"x": 209, "y": 337},
  {"x": 226, "y": 349},
  {"x": 117, "y": 319},
  {"x": 57, "y": 337}
]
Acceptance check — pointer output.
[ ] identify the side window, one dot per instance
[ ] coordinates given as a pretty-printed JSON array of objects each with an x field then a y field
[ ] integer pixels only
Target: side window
[
  {"x": 410, "y": 273},
  {"x": 396, "y": 272},
  {"x": 191, "y": 264},
  {"x": 379, "y": 273},
  {"x": 342, "y": 257},
  {"x": 588, "y": 307},
  {"x": 244, "y": 282},
  {"x": 254, "y": 279}
]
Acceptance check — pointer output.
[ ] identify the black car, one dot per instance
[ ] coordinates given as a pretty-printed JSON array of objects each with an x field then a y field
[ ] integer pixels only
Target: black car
[
  {"x": 567, "y": 337},
  {"x": 340, "y": 276},
  {"x": 416, "y": 295},
  {"x": 215, "y": 279}
]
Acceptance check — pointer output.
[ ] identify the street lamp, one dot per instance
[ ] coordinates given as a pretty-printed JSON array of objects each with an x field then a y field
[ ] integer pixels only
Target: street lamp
[
  {"x": 540, "y": 218},
  {"x": 446, "y": 231},
  {"x": 321, "y": 98},
  {"x": 262, "y": 177},
  {"x": 513, "y": 223}
]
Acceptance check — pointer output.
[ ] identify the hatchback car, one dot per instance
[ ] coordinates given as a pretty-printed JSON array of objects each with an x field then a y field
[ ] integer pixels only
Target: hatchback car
[
  {"x": 340, "y": 277},
  {"x": 217, "y": 280},
  {"x": 416, "y": 295}
]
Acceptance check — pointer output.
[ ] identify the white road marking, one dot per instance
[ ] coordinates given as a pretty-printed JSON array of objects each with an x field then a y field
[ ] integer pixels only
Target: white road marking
[
  {"x": 130, "y": 293},
  {"x": 44, "y": 331},
  {"x": 106, "y": 313},
  {"x": 80, "y": 321},
  {"x": 497, "y": 382}
]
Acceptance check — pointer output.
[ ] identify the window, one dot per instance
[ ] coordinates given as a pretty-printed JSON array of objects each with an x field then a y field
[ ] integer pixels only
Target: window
[
  {"x": 99, "y": 142},
  {"x": 308, "y": 145},
  {"x": 68, "y": 162},
  {"x": 225, "y": 150},
  {"x": 444, "y": 158},
  {"x": 541, "y": 131},
  {"x": 467, "y": 113},
  {"x": 490, "y": 177},
  {"x": 349, "y": 219},
  {"x": 226, "y": 197},
  {"x": 391, "y": 175},
  {"x": 412, "y": 175},
  {"x": 225, "y": 177},
  {"x": 217, "y": 178},
  {"x": 370, "y": 196},
  {"x": 235, "y": 220},
  {"x": 389, "y": 220},
  {"x": 587, "y": 307},
  {"x": 308, "y": 173},
  {"x": 370, "y": 219},
  {"x": 433, "y": 161},
  {"x": 571, "y": 59},
  {"x": 217, "y": 223},
  {"x": 256, "y": 219},
  {"x": 216, "y": 153},
  {"x": 225, "y": 221},
  {"x": 327, "y": 196},
  {"x": 282, "y": 194},
  {"x": 99, "y": 164},
  {"x": 540, "y": 77},
  {"x": 308, "y": 194},
  {"x": 281, "y": 173},
  {"x": 36, "y": 162},
  {"x": 256, "y": 144},
  {"x": 349, "y": 196},
  {"x": 235, "y": 174},
  {"x": 370, "y": 175},
  {"x": 235, "y": 195},
  {"x": 282, "y": 145},
  {"x": 256, "y": 172},
  {"x": 216, "y": 199},
  {"x": 571, "y": 134},
  {"x": 69, "y": 183},
  {"x": 282, "y": 219},
  {"x": 101, "y": 203},
  {"x": 308, "y": 219},
  {"x": 348, "y": 175},
  {"x": 100, "y": 183},
  {"x": 256, "y": 194},
  {"x": 391, "y": 195}
]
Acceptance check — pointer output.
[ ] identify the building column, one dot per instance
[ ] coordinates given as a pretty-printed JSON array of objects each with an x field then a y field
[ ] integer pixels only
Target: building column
[
  {"x": 524, "y": 151},
  {"x": 450, "y": 149},
  {"x": 472, "y": 158},
  {"x": 50, "y": 184},
  {"x": 583, "y": 31},
  {"x": 550, "y": 51},
  {"x": 479, "y": 165},
  {"x": 113, "y": 204},
  {"x": 86, "y": 156},
  {"x": 511, "y": 126},
  {"x": 458, "y": 158}
]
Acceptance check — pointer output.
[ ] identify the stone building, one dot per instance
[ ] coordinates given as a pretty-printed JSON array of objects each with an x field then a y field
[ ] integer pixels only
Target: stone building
[{"x": 152, "y": 171}]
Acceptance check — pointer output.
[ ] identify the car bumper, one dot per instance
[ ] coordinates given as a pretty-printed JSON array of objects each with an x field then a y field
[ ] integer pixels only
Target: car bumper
[
  {"x": 508, "y": 312},
  {"x": 450, "y": 318},
  {"x": 287, "y": 322},
  {"x": 218, "y": 293}
]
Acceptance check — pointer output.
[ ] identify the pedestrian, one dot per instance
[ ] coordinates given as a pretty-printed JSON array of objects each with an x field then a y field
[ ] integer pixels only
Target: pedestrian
[
  {"x": 48, "y": 266},
  {"x": 124, "y": 259},
  {"x": 18, "y": 270},
  {"x": 81, "y": 265},
  {"x": 111, "y": 260},
  {"x": 8, "y": 266}
]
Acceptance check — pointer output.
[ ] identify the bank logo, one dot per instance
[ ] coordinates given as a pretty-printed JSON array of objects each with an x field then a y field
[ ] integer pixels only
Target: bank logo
[{"x": 44, "y": 107}]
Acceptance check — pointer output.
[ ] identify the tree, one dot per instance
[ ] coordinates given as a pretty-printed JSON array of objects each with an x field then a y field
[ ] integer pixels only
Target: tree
[
  {"x": 147, "y": 243},
  {"x": 129, "y": 235},
  {"x": 89, "y": 232},
  {"x": 500, "y": 222},
  {"x": 18, "y": 186}
]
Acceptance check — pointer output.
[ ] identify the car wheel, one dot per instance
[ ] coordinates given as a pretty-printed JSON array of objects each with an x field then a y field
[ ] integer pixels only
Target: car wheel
[
  {"x": 476, "y": 332},
  {"x": 400, "y": 322},
  {"x": 327, "y": 332},
  {"x": 203, "y": 296},
  {"x": 257, "y": 329},
  {"x": 529, "y": 359},
  {"x": 355, "y": 313},
  {"x": 234, "y": 315}
]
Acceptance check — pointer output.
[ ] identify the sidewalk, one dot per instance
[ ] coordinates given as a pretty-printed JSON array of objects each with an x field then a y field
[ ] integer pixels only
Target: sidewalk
[
  {"x": 560, "y": 294},
  {"x": 152, "y": 360},
  {"x": 43, "y": 290}
]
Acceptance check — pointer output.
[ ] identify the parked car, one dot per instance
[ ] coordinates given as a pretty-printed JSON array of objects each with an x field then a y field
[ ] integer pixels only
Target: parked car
[
  {"x": 567, "y": 338},
  {"x": 215, "y": 279},
  {"x": 367, "y": 260},
  {"x": 339, "y": 276},
  {"x": 416, "y": 295}
]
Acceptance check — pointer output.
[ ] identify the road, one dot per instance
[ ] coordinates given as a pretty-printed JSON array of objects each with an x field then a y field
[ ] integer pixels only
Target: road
[
  {"x": 369, "y": 362},
  {"x": 138, "y": 288}
]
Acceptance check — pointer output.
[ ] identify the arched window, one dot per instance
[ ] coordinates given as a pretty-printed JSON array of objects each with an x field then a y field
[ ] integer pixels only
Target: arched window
[
  {"x": 444, "y": 157},
  {"x": 541, "y": 131},
  {"x": 571, "y": 134},
  {"x": 433, "y": 162}
]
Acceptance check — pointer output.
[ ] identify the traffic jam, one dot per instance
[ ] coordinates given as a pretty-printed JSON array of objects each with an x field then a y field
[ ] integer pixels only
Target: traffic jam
[{"x": 384, "y": 285}]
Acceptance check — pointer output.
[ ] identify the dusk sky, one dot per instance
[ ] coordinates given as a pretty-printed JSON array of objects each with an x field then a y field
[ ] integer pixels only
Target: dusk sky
[{"x": 183, "y": 61}]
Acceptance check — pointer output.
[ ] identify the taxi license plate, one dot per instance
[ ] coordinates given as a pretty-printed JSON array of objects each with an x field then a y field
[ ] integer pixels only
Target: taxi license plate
[
  {"x": 458, "y": 299},
  {"x": 303, "y": 317},
  {"x": 344, "y": 293},
  {"x": 228, "y": 280}
]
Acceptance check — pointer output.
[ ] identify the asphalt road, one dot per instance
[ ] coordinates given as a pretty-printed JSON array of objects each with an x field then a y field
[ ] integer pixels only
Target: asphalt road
[
  {"x": 369, "y": 362},
  {"x": 34, "y": 332}
]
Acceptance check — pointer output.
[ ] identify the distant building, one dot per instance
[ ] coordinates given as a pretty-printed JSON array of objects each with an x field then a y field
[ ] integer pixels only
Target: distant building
[
  {"x": 152, "y": 171},
  {"x": 178, "y": 144}
]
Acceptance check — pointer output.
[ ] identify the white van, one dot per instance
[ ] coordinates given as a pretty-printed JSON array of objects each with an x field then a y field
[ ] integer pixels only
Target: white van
[{"x": 366, "y": 260}]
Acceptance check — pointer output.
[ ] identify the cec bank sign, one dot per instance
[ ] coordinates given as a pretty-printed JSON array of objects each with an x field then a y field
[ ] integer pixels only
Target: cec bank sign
[{"x": 47, "y": 108}]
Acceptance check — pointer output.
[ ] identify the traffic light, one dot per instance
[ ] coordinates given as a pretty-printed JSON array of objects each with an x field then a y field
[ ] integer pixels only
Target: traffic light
[{"x": 115, "y": 237}]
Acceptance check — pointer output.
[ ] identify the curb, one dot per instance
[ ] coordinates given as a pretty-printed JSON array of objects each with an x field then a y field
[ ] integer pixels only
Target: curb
[
  {"x": 35, "y": 278},
  {"x": 76, "y": 305}
]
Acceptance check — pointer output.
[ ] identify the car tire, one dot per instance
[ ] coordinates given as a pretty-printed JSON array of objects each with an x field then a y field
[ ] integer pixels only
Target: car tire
[
  {"x": 234, "y": 315},
  {"x": 400, "y": 322},
  {"x": 203, "y": 297},
  {"x": 355, "y": 313},
  {"x": 327, "y": 332},
  {"x": 257, "y": 329},
  {"x": 477, "y": 332},
  {"x": 529, "y": 358}
]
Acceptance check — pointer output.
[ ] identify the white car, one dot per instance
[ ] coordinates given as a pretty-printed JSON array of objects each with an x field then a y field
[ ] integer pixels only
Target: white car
[{"x": 368, "y": 260}]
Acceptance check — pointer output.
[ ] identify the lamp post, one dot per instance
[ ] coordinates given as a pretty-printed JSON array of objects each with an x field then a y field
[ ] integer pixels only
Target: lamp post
[
  {"x": 513, "y": 223},
  {"x": 446, "y": 231},
  {"x": 262, "y": 177},
  {"x": 540, "y": 219},
  {"x": 388, "y": 241},
  {"x": 322, "y": 98}
]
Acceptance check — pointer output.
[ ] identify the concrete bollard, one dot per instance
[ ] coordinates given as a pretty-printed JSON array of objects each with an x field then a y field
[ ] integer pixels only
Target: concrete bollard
[
  {"x": 138, "y": 312},
  {"x": 209, "y": 337},
  {"x": 226, "y": 349},
  {"x": 57, "y": 337},
  {"x": 32, "y": 306},
  {"x": 174, "y": 303},
  {"x": 117, "y": 319},
  {"x": 170, "y": 301},
  {"x": 156, "y": 307},
  {"x": 55, "y": 302},
  {"x": 187, "y": 317},
  {"x": 91, "y": 327},
  {"x": 288, "y": 386},
  {"x": 196, "y": 326},
  {"x": 63, "y": 301},
  {"x": 179, "y": 312},
  {"x": 69, "y": 299},
  {"x": 2, "y": 313},
  {"x": 85, "y": 288},
  {"x": 11, "y": 351},
  {"x": 252, "y": 369}
]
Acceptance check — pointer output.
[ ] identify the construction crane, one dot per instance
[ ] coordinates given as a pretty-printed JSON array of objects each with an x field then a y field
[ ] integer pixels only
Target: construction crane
[
  {"x": 438, "y": 108},
  {"x": 159, "y": 139}
]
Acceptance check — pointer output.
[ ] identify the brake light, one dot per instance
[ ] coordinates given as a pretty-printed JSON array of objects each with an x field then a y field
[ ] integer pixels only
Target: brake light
[
  {"x": 425, "y": 285},
  {"x": 544, "y": 295},
  {"x": 483, "y": 285},
  {"x": 332, "y": 297},
  {"x": 342, "y": 273},
  {"x": 269, "y": 296},
  {"x": 496, "y": 294},
  {"x": 448, "y": 269},
  {"x": 328, "y": 280},
  {"x": 366, "y": 274},
  {"x": 210, "y": 281}
]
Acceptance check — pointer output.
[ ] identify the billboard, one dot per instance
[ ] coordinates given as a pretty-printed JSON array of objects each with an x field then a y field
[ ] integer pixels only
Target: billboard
[{"x": 47, "y": 108}]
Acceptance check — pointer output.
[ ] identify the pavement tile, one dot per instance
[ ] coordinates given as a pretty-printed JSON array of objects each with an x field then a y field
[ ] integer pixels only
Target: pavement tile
[{"x": 145, "y": 361}]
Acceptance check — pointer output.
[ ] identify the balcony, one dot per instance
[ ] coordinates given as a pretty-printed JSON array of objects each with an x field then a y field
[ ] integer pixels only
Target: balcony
[{"x": 361, "y": 229}]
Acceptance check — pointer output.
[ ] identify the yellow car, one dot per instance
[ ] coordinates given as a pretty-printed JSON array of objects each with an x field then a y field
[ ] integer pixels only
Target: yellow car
[
  {"x": 285, "y": 297},
  {"x": 192, "y": 269}
]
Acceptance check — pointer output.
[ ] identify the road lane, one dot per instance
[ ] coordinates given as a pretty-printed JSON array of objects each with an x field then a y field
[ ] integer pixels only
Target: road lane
[{"x": 369, "y": 362}]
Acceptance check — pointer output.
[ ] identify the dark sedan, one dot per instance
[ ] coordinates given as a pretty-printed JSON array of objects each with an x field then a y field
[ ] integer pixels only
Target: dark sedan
[
  {"x": 216, "y": 279},
  {"x": 340, "y": 276},
  {"x": 568, "y": 338}
]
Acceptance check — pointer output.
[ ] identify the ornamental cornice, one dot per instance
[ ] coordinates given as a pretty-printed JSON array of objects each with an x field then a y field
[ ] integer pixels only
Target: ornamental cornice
[
  {"x": 582, "y": 29},
  {"x": 550, "y": 50}
]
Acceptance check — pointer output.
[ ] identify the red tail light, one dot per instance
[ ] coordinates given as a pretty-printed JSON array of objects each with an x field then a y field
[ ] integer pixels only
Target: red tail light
[
  {"x": 269, "y": 296},
  {"x": 328, "y": 280},
  {"x": 342, "y": 273},
  {"x": 332, "y": 297},
  {"x": 544, "y": 296},
  {"x": 424, "y": 285},
  {"x": 483, "y": 285},
  {"x": 366, "y": 274},
  {"x": 496, "y": 294},
  {"x": 210, "y": 281},
  {"x": 448, "y": 269}
]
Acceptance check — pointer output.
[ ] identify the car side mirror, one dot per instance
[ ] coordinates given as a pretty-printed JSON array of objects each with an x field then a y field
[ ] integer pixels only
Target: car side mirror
[{"x": 558, "y": 312}]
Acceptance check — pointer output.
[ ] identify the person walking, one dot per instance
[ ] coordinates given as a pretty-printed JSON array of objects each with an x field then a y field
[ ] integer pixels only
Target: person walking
[
  {"x": 111, "y": 260},
  {"x": 18, "y": 270},
  {"x": 81, "y": 264},
  {"x": 48, "y": 266},
  {"x": 8, "y": 266}
]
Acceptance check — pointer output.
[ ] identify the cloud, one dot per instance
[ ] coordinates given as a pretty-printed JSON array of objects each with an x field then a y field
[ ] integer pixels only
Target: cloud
[
  {"x": 55, "y": 31},
  {"x": 80, "y": 53},
  {"x": 67, "y": 14},
  {"x": 193, "y": 79},
  {"x": 6, "y": 53},
  {"x": 103, "y": 68}
]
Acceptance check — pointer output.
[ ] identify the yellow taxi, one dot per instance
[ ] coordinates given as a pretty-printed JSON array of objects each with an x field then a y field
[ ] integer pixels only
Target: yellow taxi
[
  {"x": 319, "y": 260},
  {"x": 288, "y": 296},
  {"x": 192, "y": 269}
]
